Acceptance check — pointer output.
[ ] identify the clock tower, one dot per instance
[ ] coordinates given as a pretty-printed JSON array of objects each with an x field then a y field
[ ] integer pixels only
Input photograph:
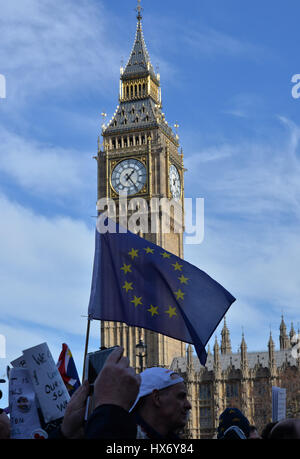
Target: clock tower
[{"x": 140, "y": 159}]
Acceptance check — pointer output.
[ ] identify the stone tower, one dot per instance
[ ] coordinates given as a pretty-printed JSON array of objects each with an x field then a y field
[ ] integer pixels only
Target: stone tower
[
  {"x": 226, "y": 343},
  {"x": 140, "y": 159},
  {"x": 283, "y": 337}
]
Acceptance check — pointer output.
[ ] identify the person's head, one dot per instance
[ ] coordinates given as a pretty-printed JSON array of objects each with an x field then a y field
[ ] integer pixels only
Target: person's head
[
  {"x": 253, "y": 433},
  {"x": 4, "y": 425},
  {"x": 287, "y": 429},
  {"x": 162, "y": 400},
  {"x": 265, "y": 435},
  {"x": 233, "y": 417}
]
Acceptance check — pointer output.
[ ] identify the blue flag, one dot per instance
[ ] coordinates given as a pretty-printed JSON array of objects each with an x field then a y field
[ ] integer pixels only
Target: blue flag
[{"x": 141, "y": 284}]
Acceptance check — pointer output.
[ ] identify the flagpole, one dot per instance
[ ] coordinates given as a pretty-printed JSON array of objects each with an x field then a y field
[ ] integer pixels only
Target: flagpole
[{"x": 86, "y": 345}]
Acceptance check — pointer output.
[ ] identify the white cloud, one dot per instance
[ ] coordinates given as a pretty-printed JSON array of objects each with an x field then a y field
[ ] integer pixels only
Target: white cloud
[
  {"x": 211, "y": 42},
  {"x": 251, "y": 179},
  {"x": 45, "y": 268},
  {"x": 55, "y": 46},
  {"x": 251, "y": 244},
  {"x": 44, "y": 169}
]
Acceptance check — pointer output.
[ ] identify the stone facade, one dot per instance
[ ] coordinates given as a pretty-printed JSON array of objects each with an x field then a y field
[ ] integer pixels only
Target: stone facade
[{"x": 243, "y": 380}]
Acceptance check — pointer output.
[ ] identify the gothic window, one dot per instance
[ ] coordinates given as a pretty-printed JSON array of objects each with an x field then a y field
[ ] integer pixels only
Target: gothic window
[
  {"x": 131, "y": 90},
  {"x": 204, "y": 391},
  {"x": 232, "y": 390},
  {"x": 127, "y": 91},
  {"x": 144, "y": 89},
  {"x": 260, "y": 387},
  {"x": 140, "y": 90},
  {"x": 137, "y": 119},
  {"x": 137, "y": 141},
  {"x": 205, "y": 417},
  {"x": 113, "y": 143},
  {"x": 135, "y": 90},
  {"x": 131, "y": 141},
  {"x": 125, "y": 141},
  {"x": 143, "y": 140},
  {"x": 147, "y": 118},
  {"x": 143, "y": 109},
  {"x": 119, "y": 142}
]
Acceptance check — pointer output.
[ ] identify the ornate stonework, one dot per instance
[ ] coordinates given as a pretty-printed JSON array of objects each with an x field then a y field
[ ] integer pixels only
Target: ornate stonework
[{"x": 243, "y": 380}]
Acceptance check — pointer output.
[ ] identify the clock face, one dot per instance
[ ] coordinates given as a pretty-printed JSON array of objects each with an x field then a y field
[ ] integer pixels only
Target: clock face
[
  {"x": 175, "y": 184},
  {"x": 129, "y": 177}
]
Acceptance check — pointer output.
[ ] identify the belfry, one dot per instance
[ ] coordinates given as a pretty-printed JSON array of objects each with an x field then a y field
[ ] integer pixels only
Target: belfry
[{"x": 140, "y": 158}]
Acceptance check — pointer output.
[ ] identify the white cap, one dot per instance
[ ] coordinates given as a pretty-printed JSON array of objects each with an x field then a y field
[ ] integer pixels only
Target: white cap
[{"x": 156, "y": 378}]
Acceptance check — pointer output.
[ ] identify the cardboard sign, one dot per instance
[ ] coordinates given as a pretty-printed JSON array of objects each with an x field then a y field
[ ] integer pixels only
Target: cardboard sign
[
  {"x": 24, "y": 417},
  {"x": 278, "y": 404},
  {"x": 48, "y": 385},
  {"x": 19, "y": 362}
]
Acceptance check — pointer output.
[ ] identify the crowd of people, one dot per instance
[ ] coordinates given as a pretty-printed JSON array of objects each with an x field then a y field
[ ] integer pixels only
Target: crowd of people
[{"x": 150, "y": 405}]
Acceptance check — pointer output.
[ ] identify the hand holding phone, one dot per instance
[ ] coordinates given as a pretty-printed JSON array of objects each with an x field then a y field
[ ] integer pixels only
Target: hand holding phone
[{"x": 117, "y": 383}]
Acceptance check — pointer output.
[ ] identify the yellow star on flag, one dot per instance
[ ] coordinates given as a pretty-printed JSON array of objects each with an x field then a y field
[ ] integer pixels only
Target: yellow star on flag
[
  {"x": 137, "y": 301},
  {"x": 128, "y": 286},
  {"x": 165, "y": 255},
  {"x": 177, "y": 266},
  {"x": 133, "y": 253},
  {"x": 171, "y": 311},
  {"x": 126, "y": 268},
  {"x": 149, "y": 250},
  {"x": 179, "y": 294},
  {"x": 183, "y": 280},
  {"x": 153, "y": 310}
]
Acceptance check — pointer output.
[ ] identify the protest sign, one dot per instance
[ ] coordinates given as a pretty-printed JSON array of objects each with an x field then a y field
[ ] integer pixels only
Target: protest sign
[
  {"x": 19, "y": 362},
  {"x": 24, "y": 417},
  {"x": 278, "y": 404},
  {"x": 49, "y": 387}
]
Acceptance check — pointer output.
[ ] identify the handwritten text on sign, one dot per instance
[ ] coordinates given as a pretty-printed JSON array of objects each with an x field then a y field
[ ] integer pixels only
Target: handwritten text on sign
[{"x": 50, "y": 389}]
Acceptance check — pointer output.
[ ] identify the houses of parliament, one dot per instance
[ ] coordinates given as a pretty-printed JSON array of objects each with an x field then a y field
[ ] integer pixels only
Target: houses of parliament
[{"x": 141, "y": 156}]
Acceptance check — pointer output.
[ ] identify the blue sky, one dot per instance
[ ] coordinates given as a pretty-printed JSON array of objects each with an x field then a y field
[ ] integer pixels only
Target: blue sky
[{"x": 226, "y": 70}]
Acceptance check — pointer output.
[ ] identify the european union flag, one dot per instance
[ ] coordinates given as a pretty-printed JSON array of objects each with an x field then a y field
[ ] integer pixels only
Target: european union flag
[{"x": 141, "y": 284}]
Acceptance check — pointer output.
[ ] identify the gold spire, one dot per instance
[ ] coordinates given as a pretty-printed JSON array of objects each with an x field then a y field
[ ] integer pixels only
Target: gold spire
[{"x": 139, "y": 9}]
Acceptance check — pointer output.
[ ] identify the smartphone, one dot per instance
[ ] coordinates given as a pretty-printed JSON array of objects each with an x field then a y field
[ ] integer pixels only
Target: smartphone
[{"x": 93, "y": 365}]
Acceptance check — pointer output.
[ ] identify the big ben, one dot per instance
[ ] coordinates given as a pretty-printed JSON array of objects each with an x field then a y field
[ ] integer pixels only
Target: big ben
[{"x": 140, "y": 158}]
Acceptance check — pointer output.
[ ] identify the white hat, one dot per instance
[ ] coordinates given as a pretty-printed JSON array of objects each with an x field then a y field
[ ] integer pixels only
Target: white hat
[{"x": 156, "y": 378}]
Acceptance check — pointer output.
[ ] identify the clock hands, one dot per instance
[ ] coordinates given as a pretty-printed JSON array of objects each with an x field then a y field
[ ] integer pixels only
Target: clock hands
[{"x": 128, "y": 177}]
